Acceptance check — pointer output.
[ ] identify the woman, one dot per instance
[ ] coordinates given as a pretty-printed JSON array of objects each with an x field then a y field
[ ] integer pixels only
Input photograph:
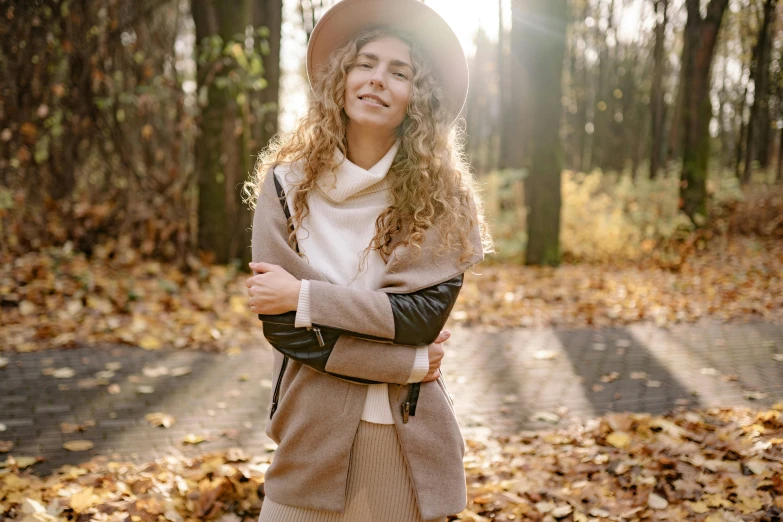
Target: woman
[{"x": 384, "y": 221}]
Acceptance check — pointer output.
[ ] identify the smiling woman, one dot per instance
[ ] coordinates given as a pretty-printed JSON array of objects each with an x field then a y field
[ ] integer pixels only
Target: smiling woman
[{"x": 360, "y": 270}]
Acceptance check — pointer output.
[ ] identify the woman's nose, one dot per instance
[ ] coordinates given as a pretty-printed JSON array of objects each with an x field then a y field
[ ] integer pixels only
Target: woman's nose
[{"x": 377, "y": 78}]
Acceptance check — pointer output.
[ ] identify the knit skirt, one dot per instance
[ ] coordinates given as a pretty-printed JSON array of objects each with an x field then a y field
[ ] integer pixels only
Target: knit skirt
[{"x": 379, "y": 485}]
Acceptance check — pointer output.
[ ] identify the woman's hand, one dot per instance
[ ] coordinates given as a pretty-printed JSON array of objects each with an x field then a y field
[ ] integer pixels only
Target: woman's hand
[
  {"x": 436, "y": 354},
  {"x": 272, "y": 290}
]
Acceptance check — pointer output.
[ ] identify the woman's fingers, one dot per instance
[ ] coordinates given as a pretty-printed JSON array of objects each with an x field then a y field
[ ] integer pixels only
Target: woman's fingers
[{"x": 443, "y": 336}]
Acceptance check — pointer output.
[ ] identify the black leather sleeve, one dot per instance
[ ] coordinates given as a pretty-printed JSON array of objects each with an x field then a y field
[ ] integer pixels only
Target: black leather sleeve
[
  {"x": 420, "y": 316},
  {"x": 418, "y": 319}
]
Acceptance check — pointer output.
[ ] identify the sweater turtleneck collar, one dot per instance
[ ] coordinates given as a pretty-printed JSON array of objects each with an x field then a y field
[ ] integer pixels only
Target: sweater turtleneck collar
[{"x": 349, "y": 179}]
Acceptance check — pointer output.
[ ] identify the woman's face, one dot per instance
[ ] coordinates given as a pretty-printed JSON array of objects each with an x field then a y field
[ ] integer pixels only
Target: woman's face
[{"x": 379, "y": 86}]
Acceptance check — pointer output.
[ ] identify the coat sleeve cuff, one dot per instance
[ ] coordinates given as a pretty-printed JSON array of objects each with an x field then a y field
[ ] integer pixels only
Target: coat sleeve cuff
[
  {"x": 421, "y": 366},
  {"x": 302, "y": 319}
]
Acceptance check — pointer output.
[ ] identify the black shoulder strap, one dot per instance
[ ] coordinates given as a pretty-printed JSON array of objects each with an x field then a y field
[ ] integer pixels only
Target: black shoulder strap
[{"x": 283, "y": 201}]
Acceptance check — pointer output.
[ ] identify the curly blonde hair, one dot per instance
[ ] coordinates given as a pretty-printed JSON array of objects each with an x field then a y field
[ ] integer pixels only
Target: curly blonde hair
[{"x": 430, "y": 181}]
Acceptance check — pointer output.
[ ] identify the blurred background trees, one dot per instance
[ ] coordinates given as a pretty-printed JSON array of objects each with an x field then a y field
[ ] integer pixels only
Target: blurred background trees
[{"x": 599, "y": 128}]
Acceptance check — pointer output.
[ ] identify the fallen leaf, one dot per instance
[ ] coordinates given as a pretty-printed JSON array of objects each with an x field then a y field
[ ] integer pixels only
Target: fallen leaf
[
  {"x": 191, "y": 438},
  {"x": 657, "y": 502},
  {"x": 545, "y": 416},
  {"x": 561, "y": 511},
  {"x": 22, "y": 461},
  {"x": 150, "y": 343},
  {"x": 180, "y": 371},
  {"x": 78, "y": 445},
  {"x": 63, "y": 373},
  {"x": 618, "y": 439},
  {"x": 84, "y": 499},
  {"x": 160, "y": 419}
]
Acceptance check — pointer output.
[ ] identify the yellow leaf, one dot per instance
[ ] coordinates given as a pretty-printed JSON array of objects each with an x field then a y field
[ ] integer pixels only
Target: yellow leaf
[
  {"x": 78, "y": 445},
  {"x": 239, "y": 304},
  {"x": 23, "y": 462},
  {"x": 84, "y": 500},
  {"x": 160, "y": 419},
  {"x": 191, "y": 438},
  {"x": 618, "y": 439},
  {"x": 749, "y": 504},
  {"x": 698, "y": 507},
  {"x": 150, "y": 343}
]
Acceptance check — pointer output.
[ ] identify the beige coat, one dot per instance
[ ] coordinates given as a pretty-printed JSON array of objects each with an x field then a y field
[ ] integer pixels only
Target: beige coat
[{"x": 318, "y": 415}]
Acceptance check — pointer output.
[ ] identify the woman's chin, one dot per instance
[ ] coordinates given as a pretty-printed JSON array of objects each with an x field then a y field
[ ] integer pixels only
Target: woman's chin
[{"x": 371, "y": 122}]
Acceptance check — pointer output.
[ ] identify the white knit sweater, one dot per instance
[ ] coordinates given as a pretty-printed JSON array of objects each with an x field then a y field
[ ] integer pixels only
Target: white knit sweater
[{"x": 340, "y": 225}]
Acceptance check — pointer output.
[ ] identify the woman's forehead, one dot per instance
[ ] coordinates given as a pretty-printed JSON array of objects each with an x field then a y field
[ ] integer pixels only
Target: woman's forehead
[{"x": 387, "y": 47}]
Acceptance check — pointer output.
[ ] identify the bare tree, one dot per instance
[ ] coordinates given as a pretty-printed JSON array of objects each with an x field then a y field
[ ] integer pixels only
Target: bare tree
[
  {"x": 701, "y": 33},
  {"x": 538, "y": 41},
  {"x": 657, "y": 105},
  {"x": 759, "y": 71}
]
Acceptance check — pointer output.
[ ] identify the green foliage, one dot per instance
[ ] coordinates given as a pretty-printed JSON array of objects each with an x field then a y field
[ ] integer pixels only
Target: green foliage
[
  {"x": 604, "y": 217},
  {"x": 233, "y": 66}
]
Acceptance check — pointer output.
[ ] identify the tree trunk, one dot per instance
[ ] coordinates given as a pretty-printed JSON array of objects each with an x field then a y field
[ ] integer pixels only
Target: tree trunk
[
  {"x": 674, "y": 147},
  {"x": 700, "y": 37},
  {"x": 656, "y": 97},
  {"x": 269, "y": 14},
  {"x": 602, "y": 139},
  {"x": 538, "y": 37},
  {"x": 503, "y": 93},
  {"x": 724, "y": 130},
  {"x": 581, "y": 108},
  {"x": 739, "y": 152},
  {"x": 223, "y": 153},
  {"x": 779, "y": 177},
  {"x": 759, "y": 72}
]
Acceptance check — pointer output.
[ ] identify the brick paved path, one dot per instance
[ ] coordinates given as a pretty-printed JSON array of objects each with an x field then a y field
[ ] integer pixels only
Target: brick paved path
[{"x": 501, "y": 381}]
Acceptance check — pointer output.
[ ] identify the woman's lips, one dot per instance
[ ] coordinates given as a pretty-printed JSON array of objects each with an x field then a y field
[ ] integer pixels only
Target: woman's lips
[{"x": 369, "y": 100}]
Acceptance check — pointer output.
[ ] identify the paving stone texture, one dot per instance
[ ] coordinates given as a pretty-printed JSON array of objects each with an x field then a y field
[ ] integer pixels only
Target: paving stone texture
[{"x": 502, "y": 381}]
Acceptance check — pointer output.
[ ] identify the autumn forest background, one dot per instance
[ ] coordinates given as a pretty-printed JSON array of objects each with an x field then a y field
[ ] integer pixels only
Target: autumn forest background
[{"x": 630, "y": 154}]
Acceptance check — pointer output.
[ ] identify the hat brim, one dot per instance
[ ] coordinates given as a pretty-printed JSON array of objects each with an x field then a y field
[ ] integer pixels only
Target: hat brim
[{"x": 438, "y": 41}]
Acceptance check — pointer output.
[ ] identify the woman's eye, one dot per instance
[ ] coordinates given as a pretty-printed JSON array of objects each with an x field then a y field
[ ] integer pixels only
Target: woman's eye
[
  {"x": 364, "y": 65},
  {"x": 401, "y": 75}
]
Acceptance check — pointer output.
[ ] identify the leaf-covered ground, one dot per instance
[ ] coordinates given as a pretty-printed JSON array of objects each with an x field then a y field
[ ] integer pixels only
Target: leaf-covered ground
[
  {"x": 736, "y": 278},
  {"x": 713, "y": 465},
  {"x": 55, "y": 298}
]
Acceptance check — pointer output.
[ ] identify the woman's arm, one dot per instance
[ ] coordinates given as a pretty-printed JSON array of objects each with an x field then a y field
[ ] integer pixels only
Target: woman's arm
[
  {"x": 328, "y": 351},
  {"x": 381, "y": 362},
  {"x": 413, "y": 318}
]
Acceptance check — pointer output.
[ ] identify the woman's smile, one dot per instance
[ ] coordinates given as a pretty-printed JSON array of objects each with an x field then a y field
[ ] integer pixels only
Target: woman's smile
[{"x": 371, "y": 99}]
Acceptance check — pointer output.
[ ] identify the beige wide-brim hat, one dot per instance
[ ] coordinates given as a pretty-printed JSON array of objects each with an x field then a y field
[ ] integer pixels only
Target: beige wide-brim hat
[{"x": 430, "y": 31}]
